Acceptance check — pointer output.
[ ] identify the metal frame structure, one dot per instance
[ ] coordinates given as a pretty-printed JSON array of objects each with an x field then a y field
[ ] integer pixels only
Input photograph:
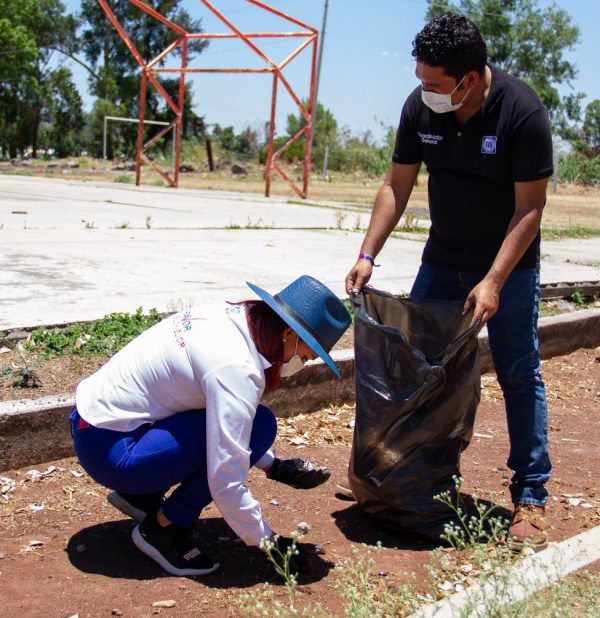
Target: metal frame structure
[
  {"x": 123, "y": 119},
  {"x": 150, "y": 71}
]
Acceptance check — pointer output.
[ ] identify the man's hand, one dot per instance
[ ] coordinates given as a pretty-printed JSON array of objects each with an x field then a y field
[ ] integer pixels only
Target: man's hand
[
  {"x": 358, "y": 276},
  {"x": 298, "y": 473},
  {"x": 485, "y": 298}
]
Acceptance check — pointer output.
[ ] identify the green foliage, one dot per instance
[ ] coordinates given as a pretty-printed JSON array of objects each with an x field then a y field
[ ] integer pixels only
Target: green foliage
[
  {"x": 123, "y": 178},
  {"x": 470, "y": 530},
  {"x": 245, "y": 143},
  {"x": 578, "y": 298},
  {"x": 576, "y": 231},
  {"x": 578, "y": 168},
  {"x": 587, "y": 141},
  {"x": 113, "y": 68},
  {"x": 33, "y": 91},
  {"x": 529, "y": 43},
  {"x": 102, "y": 337}
]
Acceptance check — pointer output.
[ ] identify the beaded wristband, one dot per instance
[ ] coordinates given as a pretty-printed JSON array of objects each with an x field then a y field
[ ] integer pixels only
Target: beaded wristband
[{"x": 370, "y": 258}]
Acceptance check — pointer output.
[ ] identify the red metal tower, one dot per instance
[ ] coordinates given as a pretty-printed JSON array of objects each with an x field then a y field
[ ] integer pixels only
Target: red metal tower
[{"x": 308, "y": 37}]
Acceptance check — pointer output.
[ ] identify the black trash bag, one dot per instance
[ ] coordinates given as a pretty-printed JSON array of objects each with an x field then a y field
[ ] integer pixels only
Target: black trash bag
[{"x": 417, "y": 389}]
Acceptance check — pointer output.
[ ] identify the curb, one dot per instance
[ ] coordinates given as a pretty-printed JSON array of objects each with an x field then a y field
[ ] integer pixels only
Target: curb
[
  {"x": 34, "y": 431},
  {"x": 522, "y": 580}
]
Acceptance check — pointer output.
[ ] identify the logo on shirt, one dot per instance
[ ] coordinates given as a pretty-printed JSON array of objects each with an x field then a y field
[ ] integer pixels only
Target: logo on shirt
[
  {"x": 488, "y": 144},
  {"x": 428, "y": 138}
]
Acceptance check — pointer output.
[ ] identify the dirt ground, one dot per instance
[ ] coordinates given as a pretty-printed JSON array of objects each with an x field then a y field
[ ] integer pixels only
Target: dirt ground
[
  {"x": 571, "y": 205},
  {"x": 64, "y": 551}
]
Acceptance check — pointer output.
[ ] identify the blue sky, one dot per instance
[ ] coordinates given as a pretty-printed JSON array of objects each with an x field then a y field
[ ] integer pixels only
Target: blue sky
[{"x": 367, "y": 69}]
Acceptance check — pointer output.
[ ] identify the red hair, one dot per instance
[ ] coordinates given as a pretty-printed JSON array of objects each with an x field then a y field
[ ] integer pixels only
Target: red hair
[{"x": 266, "y": 329}]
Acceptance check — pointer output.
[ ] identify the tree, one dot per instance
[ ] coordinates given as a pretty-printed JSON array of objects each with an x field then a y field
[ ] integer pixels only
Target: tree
[
  {"x": 115, "y": 71},
  {"x": 324, "y": 133},
  {"x": 33, "y": 31},
  {"x": 530, "y": 44},
  {"x": 591, "y": 129},
  {"x": 61, "y": 113}
]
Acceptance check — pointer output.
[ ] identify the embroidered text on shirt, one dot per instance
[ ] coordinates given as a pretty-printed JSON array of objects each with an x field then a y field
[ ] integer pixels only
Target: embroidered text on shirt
[{"x": 428, "y": 138}]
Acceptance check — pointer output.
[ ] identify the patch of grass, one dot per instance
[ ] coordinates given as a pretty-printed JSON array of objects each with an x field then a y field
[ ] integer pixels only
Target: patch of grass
[
  {"x": 578, "y": 596},
  {"x": 124, "y": 178},
  {"x": 365, "y": 594},
  {"x": 102, "y": 337},
  {"x": 250, "y": 225},
  {"x": 576, "y": 231}
]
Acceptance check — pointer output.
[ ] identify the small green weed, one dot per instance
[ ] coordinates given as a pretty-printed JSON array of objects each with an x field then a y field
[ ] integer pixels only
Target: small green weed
[
  {"x": 340, "y": 217},
  {"x": 264, "y": 604},
  {"x": 123, "y": 226},
  {"x": 366, "y": 594},
  {"x": 578, "y": 298},
  {"x": 25, "y": 376},
  {"x": 410, "y": 223},
  {"x": 124, "y": 178},
  {"x": 102, "y": 337}
]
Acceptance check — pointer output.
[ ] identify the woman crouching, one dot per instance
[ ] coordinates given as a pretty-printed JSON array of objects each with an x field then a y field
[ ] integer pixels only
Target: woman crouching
[{"x": 180, "y": 406}]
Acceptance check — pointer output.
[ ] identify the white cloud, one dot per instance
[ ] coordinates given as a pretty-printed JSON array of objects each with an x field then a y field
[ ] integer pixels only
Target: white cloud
[{"x": 387, "y": 53}]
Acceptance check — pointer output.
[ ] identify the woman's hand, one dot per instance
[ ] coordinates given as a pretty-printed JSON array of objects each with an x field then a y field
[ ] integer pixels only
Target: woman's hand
[{"x": 298, "y": 473}]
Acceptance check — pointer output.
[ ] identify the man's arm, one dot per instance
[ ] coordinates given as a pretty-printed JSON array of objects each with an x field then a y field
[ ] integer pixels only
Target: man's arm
[
  {"x": 530, "y": 198},
  {"x": 389, "y": 205}
]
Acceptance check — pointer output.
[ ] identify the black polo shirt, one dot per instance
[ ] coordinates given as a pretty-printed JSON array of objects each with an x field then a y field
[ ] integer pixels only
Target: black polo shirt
[{"x": 473, "y": 167}]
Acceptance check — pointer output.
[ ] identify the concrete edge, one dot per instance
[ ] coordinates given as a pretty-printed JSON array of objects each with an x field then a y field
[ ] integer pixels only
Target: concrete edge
[
  {"x": 33, "y": 431},
  {"x": 520, "y": 581}
]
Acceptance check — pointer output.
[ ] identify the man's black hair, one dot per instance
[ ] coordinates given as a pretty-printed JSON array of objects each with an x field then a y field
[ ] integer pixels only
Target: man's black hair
[{"x": 452, "y": 42}]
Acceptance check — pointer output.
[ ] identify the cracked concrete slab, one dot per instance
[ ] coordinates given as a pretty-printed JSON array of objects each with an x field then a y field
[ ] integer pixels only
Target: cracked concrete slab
[{"x": 71, "y": 257}]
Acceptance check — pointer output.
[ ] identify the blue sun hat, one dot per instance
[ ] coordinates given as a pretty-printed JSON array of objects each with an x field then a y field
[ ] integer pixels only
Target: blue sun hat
[{"x": 313, "y": 311}]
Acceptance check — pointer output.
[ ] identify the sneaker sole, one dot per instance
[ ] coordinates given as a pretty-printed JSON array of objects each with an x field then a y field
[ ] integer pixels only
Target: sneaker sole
[
  {"x": 116, "y": 500},
  {"x": 153, "y": 553}
]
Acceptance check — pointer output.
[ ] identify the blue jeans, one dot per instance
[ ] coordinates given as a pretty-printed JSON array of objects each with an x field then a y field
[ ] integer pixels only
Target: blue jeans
[
  {"x": 515, "y": 351},
  {"x": 155, "y": 457}
]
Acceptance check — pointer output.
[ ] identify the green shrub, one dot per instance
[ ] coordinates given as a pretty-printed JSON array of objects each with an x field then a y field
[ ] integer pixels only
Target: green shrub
[
  {"x": 124, "y": 178},
  {"x": 579, "y": 169},
  {"x": 103, "y": 337}
]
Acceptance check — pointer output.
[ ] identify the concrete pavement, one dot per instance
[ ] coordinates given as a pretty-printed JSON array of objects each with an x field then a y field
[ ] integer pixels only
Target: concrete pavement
[{"x": 77, "y": 250}]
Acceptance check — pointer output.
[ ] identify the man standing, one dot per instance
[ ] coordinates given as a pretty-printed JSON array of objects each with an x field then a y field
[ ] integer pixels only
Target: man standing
[{"x": 485, "y": 139}]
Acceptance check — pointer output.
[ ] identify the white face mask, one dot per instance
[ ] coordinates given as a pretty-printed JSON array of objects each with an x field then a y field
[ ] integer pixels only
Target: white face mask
[
  {"x": 294, "y": 365},
  {"x": 442, "y": 103}
]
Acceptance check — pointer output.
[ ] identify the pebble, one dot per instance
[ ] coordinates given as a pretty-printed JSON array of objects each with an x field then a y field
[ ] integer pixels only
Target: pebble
[
  {"x": 116, "y": 612},
  {"x": 166, "y": 603},
  {"x": 274, "y": 502},
  {"x": 303, "y": 527}
]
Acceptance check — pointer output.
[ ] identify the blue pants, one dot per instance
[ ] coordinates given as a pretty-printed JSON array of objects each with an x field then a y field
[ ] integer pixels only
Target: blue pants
[
  {"x": 515, "y": 351},
  {"x": 155, "y": 457}
]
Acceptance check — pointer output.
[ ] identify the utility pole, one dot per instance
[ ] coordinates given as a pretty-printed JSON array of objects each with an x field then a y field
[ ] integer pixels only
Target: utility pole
[
  {"x": 320, "y": 56},
  {"x": 319, "y": 61}
]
